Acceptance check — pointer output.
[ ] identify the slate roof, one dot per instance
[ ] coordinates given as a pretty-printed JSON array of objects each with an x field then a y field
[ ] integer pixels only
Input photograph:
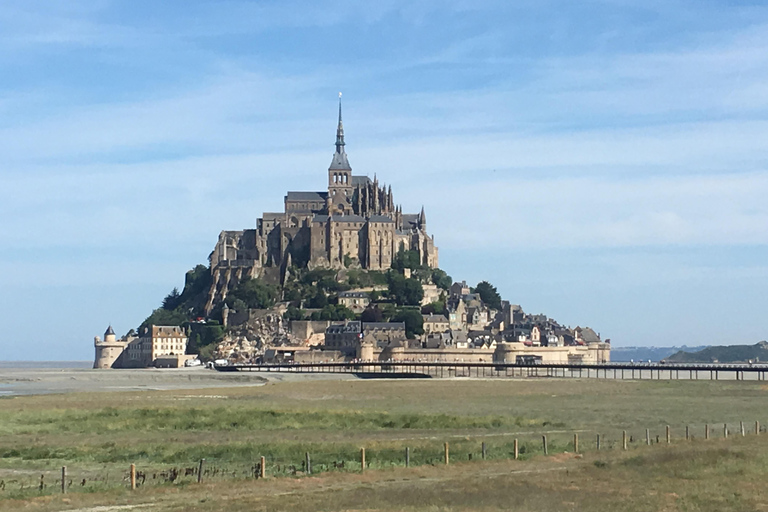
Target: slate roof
[
  {"x": 379, "y": 218},
  {"x": 340, "y": 162},
  {"x": 347, "y": 218},
  {"x": 306, "y": 196},
  {"x": 435, "y": 318},
  {"x": 383, "y": 325},
  {"x": 320, "y": 218},
  {"x": 360, "y": 180}
]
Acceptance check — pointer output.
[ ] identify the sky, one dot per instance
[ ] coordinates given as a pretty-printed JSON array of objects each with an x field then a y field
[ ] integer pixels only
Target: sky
[{"x": 604, "y": 162}]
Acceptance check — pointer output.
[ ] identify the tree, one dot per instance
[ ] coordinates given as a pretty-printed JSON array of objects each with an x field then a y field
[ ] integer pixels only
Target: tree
[
  {"x": 414, "y": 322},
  {"x": 294, "y": 313},
  {"x": 441, "y": 279},
  {"x": 172, "y": 300},
  {"x": 405, "y": 291},
  {"x": 319, "y": 301},
  {"x": 406, "y": 259},
  {"x": 372, "y": 314},
  {"x": 162, "y": 316},
  {"x": 255, "y": 293},
  {"x": 488, "y": 295}
]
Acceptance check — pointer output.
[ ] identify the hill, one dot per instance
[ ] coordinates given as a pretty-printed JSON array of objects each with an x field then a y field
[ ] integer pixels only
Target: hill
[
  {"x": 724, "y": 354},
  {"x": 627, "y": 354}
]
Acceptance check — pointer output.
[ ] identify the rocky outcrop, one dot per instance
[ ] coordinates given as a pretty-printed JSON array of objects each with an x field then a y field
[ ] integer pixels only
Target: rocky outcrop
[{"x": 261, "y": 328}]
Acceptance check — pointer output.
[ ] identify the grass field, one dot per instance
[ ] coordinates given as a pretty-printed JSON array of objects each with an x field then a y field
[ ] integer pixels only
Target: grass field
[{"x": 98, "y": 435}]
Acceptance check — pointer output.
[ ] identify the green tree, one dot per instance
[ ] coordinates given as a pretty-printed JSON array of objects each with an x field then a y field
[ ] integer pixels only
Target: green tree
[
  {"x": 406, "y": 259},
  {"x": 319, "y": 301},
  {"x": 488, "y": 294},
  {"x": 255, "y": 294},
  {"x": 441, "y": 279},
  {"x": 414, "y": 322},
  {"x": 172, "y": 300},
  {"x": 405, "y": 291},
  {"x": 294, "y": 313},
  {"x": 162, "y": 316},
  {"x": 372, "y": 314}
]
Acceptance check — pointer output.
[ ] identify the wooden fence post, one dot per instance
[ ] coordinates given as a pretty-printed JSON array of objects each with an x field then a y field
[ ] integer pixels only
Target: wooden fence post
[
  {"x": 706, "y": 431},
  {"x": 200, "y": 471},
  {"x": 687, "y": 433},
  {"x": 308, "y": 464},
  {"x": 544, "y": 442},
  {"x": 741, "y": 427},
  {"x": 362, "y": 459},
  {"x": 517, "y": 449},
  {"x": 725, "y": 431},
  {"x": 669, "y": 435},
  {"x": 63, "y": 479},
  {"x": 485, "y": 452},
  {"x": 757, "y": 428},
  {"x": 447, "y": 457},
  {"x": 263, "y": 467},
  {"x": 407, "y": 456},
  {"x": 598, "y": 442},
  {"x": 133, "y": 477},
  {"x": 575, "y": 443},
  {"x": 624, "y": 439},
  {"x": 647, "y": 437}
]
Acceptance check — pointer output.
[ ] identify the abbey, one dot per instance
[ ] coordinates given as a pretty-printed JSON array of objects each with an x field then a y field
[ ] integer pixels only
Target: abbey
[{"x": 354, "y": 223}]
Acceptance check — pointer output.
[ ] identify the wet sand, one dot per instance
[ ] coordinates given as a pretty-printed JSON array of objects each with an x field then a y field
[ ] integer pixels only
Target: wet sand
[{"x": 35, "y": 381}]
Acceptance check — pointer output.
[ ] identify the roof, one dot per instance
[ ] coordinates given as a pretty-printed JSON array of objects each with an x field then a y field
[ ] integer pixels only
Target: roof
[
  {"x": 353, "y": 326},
  {"x": 340, "y": 162},
  {"x": 109, "y": 331},
  {"x": 354, "y": 294},
  {"x": 411, "y": 218},
  {"x": 383, "y": 325},
  {"x": 379, "y": 218},
  {"x": 360, "y": 180},
  {"x": 320, "y": 218},
  {"x": 434, "y": 318},
  {"x": 347, "y": 218},
  {"x": 306, "y": 196}
]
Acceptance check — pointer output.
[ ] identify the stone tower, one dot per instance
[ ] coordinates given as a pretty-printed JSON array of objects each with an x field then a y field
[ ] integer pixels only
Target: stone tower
[{"x": 340, "y": 176}]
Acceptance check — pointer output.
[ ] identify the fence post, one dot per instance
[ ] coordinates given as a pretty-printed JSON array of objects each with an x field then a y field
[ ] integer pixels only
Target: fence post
[
  {"x": 362, "y": 459},
  {"x": 63, "y": 479},
  {"x": 447, "y": 458},
  {"x": 308, "y": 464},
  {"x": 669, "y": 435},
  {"x": 647, "y": 437},
  {"x": 598, "y": 442},
  {"x": 200, "y": 470},
  {"x": 407, "y": 456},
  {"x": 263, "y": 468},
  {"x": 544, "y": 441},
  {"x": 484, "y": 451},
  {"x": 575, "y": 443},
  {"x": 624, "y": 439},
  {"x": 133, "y": 477},
  {"x": 741, "y": 427},
  {"x": 757, "y": 428},
  {"x": 706, "y": 431},
  {"x": 687, "y": 433},
  {"x": 517, "y": 449},
  {"x": 725, "y": 431}
]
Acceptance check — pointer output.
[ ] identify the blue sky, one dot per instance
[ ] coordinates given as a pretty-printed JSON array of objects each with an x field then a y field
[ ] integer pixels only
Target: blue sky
[{"x": 604, "y": 162}]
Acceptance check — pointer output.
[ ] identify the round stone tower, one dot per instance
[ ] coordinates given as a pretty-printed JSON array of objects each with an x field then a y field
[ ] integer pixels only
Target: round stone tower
[{"x": 107, "y": 350}]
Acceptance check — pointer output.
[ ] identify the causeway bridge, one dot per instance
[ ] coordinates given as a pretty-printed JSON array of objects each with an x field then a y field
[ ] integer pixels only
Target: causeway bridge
[{"x": 616, "y": 370}]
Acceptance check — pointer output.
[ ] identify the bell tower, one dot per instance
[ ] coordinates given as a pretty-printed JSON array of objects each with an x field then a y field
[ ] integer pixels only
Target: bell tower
[{"x": 340, "y": 188}]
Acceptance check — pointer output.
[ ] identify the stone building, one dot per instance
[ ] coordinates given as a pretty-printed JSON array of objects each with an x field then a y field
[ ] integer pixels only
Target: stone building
[
  {"x": 354, "y": 222},
  {"x": 158, "y": 345}
]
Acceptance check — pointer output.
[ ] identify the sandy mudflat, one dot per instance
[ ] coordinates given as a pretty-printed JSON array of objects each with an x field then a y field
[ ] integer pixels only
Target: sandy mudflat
[{"x": 33, "y": 381}]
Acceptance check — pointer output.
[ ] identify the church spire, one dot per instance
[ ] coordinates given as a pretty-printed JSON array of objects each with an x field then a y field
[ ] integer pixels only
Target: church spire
[
  {"x": 340, "y": 161},
  {"x": 340, "y": 132}
]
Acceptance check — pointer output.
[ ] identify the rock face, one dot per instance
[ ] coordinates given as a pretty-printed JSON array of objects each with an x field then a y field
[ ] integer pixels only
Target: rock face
[{"x": 247, "y": 341}]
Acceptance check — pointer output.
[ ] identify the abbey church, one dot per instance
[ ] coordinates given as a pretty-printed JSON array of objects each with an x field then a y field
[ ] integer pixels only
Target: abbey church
[{"x": 354, "y": 223}]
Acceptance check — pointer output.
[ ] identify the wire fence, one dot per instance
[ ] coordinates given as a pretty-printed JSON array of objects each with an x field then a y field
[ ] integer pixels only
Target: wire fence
[{"x": 23, "y": 483}]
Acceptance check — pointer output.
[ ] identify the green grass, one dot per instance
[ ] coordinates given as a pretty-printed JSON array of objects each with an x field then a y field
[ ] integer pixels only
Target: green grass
[{"x": 98, "y": 435}]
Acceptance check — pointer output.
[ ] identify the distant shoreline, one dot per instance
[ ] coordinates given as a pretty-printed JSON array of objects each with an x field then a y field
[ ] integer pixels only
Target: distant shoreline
[{"x": 47, "y": 364}]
